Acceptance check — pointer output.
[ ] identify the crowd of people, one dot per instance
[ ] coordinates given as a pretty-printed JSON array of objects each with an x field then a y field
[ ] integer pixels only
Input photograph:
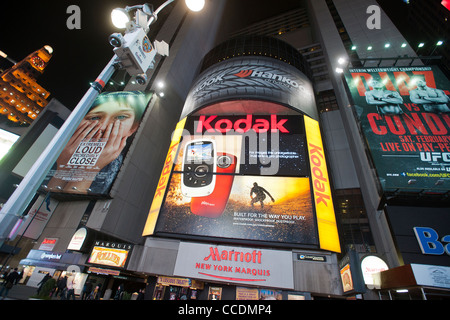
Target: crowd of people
[{"x": 62, "y": 289}]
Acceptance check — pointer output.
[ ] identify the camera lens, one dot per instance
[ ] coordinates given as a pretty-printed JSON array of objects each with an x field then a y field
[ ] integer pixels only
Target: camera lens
[
  {"x": 115, "y": 40},
  {"x": 141, "y": 79}
]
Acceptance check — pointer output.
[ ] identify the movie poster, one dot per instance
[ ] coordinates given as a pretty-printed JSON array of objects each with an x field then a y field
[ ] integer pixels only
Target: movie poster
[
  {"x": 404, "y": 113},
  {"x": 92, "y": 158}
]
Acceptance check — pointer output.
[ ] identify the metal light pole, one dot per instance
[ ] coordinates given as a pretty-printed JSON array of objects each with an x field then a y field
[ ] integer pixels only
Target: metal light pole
[
  {"x": 127, "y": 50},
  {"x": 14, "y": 208}
]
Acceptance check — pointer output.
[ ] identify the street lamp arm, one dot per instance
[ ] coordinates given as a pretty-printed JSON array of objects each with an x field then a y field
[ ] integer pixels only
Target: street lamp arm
[
  {"x": 154, "y": 15},
  {"x": 165, "y": 4}
]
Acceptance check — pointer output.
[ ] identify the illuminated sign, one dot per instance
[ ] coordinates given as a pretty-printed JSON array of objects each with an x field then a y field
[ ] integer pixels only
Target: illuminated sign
[
  {"x": 110, "y": 254},
  {"x": 326, "y": 220},
  {"x": 53, "y": 256},
  {"x": 253, "y": 79},
  {"x": 346, "y": 278},
  {"x": 371, "y": 265},
  {"x": 404, "y": 113},
  {"x": 254, "y": 177},
  {"x": 7, "y": 139},
  {"x": 171, "y": 281},
  {"x": 429, "y": 242},
  {"x": 163, "y": 180},
  {"x": 78, "y": 238},
  {"x": 48, "y": 244},
  {"x": 242, "y": 125},
  {"x": 421, "y": 233},
  {"x": 270, "y": 268},
  {"x": 103, "y": 271}
]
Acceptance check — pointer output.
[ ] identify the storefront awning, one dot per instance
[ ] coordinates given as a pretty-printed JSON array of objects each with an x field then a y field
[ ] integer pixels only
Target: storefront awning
[
  {"x": 52, "y": 260},
  {"x": 427, "y": 278}
]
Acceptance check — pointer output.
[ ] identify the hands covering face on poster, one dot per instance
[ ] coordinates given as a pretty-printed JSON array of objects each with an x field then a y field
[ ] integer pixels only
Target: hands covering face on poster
[
  {"x": 106, "y": 127},
  {"x": 111, "y": 122}
]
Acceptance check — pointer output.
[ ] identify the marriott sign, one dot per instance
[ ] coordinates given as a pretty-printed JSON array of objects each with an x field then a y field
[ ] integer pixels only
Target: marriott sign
[{"x": 269, "y": 268}]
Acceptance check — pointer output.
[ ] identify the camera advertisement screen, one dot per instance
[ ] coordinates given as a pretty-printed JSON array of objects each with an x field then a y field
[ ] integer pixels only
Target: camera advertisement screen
[
  {"x": 92, "y": 158},
  {"x": 200, "y": 152},
  {"x": 270, "y": 208},
  {"x": 259, "y": 188},
  {"x": 404, "y": 114}
]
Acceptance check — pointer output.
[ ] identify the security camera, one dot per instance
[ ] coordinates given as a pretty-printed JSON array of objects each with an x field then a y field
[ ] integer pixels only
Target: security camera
[
  {"x": 141, "y": 79},
  {"x": 116, "y": 40}
]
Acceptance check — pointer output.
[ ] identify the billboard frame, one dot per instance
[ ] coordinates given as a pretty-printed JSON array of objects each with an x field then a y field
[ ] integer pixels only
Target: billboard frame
[
  {"x": 324, "y": 221},
  {"x": 404, "y": 83}
]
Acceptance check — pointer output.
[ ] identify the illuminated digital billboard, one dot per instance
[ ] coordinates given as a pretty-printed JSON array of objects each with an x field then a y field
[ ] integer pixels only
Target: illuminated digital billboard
[
  {"x": 404, "y": 113},
  {"x": 252, "y": 178},
  {"x": 246, "y": 162}
]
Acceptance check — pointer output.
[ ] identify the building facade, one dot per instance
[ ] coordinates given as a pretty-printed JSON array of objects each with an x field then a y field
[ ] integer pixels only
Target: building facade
[{"x": 259, "y": 77}]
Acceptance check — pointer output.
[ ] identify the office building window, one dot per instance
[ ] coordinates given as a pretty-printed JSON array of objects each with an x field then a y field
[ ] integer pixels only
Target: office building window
[{"x": 355, "y": 228}]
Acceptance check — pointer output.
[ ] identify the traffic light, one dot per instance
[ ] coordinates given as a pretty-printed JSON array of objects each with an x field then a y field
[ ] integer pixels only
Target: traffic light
[{"x": 21, "y": 97}]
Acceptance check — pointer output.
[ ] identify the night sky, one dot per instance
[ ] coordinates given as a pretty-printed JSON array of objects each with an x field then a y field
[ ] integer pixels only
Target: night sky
[{"x": 80, "y": 55}]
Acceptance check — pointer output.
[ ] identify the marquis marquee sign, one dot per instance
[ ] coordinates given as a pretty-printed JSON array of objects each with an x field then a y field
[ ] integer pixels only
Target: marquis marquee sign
[
  {"x": 110, "y": 254},
  {"x": 261, "y": 267}
]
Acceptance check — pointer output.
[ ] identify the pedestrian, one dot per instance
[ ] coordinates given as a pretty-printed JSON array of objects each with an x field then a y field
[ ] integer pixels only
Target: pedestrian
[
  {"x": 11, "y": 279},
  {"x": 141, "y": 294},
  {"x": 87, "y": 288},
  {"x": 95, "y": 295},
  {"x": 71, "y": 286},
  {"x": 119, "y": 292},
  {"x": 61, "y": 287},
  {"x": 43, "y": 281}
]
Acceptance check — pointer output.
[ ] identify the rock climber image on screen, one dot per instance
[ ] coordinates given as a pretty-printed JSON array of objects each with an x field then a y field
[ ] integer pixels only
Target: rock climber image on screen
[{"x": 260, "y": 195}]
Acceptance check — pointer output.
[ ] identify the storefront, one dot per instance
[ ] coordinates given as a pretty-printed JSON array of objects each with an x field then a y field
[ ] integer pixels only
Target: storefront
[
  {"x": 38, "y": 263},
  {"x": 207, "y": 271},
  {"x": 173, "y": 288},
  {"x": 421, "y": 235},
  {"x": 106, "y": 267},
  {"x": 415, "y": 282}
]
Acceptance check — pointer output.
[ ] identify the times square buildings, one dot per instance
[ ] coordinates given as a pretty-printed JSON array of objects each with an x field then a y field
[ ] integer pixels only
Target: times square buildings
[{"x": 354, "y": 167}]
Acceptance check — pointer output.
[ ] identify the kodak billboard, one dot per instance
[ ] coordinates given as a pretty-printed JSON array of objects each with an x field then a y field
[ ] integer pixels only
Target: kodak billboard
[{"x": 250, "y": 171}]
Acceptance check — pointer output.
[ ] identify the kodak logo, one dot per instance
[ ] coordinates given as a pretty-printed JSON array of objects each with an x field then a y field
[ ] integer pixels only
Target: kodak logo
[
  {"x": 163, "y": 180},
  {"x": 259, "y": 125},
  {"x": 320, "y": 180}
]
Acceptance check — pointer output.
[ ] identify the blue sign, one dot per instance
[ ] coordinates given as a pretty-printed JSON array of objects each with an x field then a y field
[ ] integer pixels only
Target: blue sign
[{"x": 429, "y": 241}]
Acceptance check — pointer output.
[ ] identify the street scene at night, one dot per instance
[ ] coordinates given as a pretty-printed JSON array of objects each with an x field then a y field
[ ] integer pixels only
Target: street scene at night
[{"x": 182, "y": 151}]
